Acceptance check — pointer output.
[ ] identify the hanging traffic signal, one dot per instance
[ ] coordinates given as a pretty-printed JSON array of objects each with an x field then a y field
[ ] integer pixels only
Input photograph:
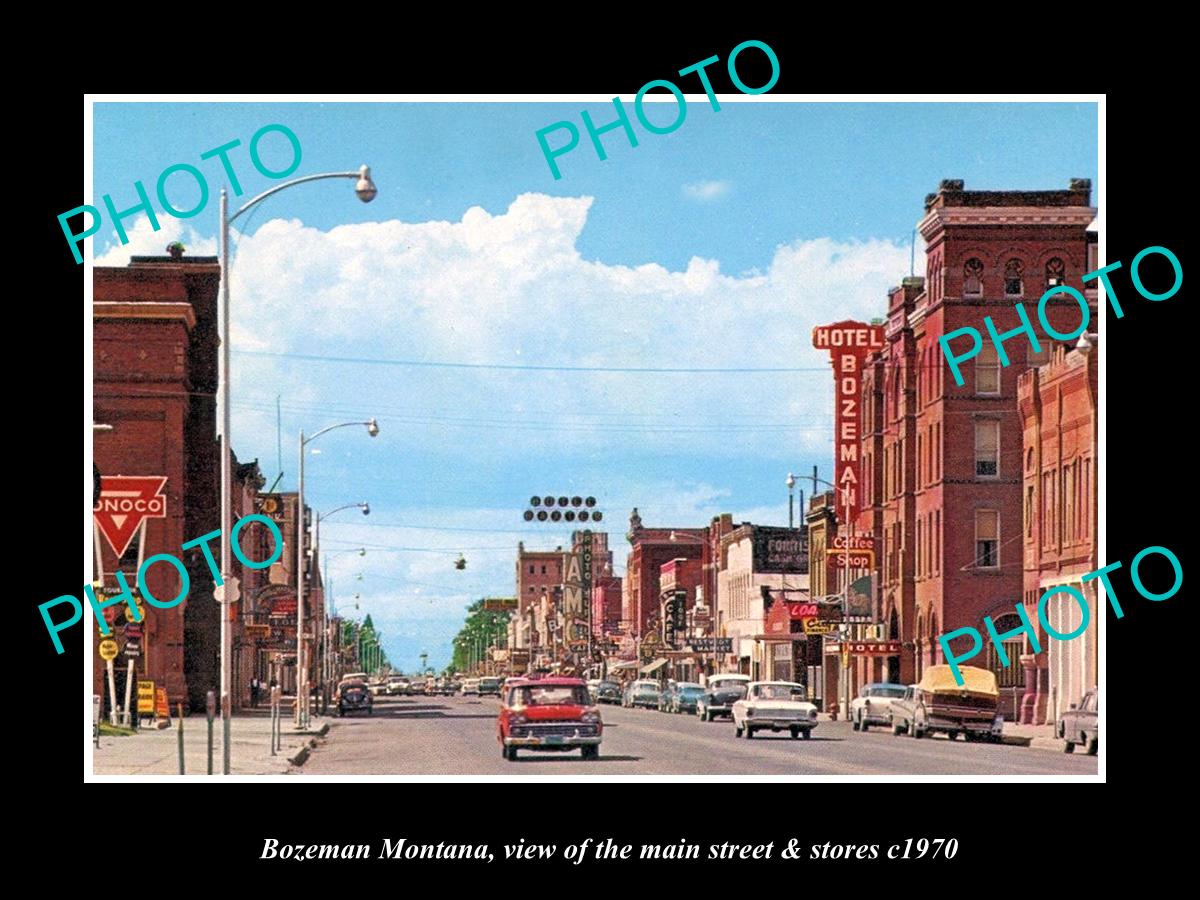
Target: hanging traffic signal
[{"x": 461, "y": 562}]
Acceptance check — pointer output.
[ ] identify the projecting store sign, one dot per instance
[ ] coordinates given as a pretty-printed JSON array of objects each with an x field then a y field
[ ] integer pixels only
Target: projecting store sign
[
  {"x": 125, "y": 502},
  {"x": 848, "y": 344},
  {"x": 782, "y": 550}
]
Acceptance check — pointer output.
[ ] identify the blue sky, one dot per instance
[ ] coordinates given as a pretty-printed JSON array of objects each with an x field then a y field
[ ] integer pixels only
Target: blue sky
[{"x": 718, "y": 246}]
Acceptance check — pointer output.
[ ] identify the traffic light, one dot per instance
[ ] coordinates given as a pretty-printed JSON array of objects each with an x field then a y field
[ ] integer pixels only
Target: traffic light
[{"x": 461, "y": 562}]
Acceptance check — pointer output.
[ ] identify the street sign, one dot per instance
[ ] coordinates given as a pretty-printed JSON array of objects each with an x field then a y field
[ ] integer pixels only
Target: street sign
[
  {"x": 145, "y": 697},
  {"x": 500, "y": 604},
  {"x": 108, "y": 649},
  {"x": 160, "y": 703},
  {"x": 132, "y": 648},
  {"x": 133, "y": 631},
  {"x": 125, "y": 502},
  {"x": 258, "y": 632}
]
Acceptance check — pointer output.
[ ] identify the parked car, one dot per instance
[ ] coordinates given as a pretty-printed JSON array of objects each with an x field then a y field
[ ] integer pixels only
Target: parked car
[
  {"x": 873, "y": 705},
  {"x": 470, "y": 687},
  {"x": 940, "y": 703},
  {"x": 684, "y": 697},
  {"x": 490, "y": 686},
  {"x": 641, "y": 693},
  {"x": 607, "y": 692},
  {"x": 774, "y": 706},
  {"x": 1078, "y": 724},
  {"x": 378, "y": 686},
  {"x": 416, "y": 686},
  {"x": 722, "y": 691},
  {"x": 353, "y": 695},
  {"x": 397, "y": 685},
  {"x": 549, "y": 714}
]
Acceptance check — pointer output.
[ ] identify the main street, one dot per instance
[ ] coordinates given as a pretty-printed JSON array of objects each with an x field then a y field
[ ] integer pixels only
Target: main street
[{"x": 457, "y": 736}]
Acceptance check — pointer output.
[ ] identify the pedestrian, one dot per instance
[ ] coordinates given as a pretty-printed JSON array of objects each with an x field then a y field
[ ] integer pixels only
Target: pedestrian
[{"x": 254, "y": 686}]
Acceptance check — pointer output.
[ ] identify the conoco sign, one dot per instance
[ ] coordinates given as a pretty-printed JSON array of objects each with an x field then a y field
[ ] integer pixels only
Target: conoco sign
[
  {"x": 848, "y": 344},
  {"x": 125, "y": 502}
]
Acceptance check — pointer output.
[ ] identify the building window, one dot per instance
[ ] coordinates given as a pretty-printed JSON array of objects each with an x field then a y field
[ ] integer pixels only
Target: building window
[
  {"x": 1055, "y": 273},
  {"x": 531, "y": 570},
  {"x": 1011, "y": 675},
  {"x": 937, "y": 541},
  {"x": 987, "y": 371},
  {"x": 987, "y": 538},
  {"x": 973, "y": 278},
  {"x": 1029, "y": 511},
  {"x": 1041, "y": 356},
  {"x": 1013, "y": 286},
  {"x": 543, "y": 570},
  {"x": 987, "y": 448}
]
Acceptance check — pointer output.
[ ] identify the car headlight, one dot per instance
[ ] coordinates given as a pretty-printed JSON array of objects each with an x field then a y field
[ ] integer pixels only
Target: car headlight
[
  {"x": 749, "y": 710},
  {"x": 591, "y": 717},
  {"x": 516, "y": 719}
]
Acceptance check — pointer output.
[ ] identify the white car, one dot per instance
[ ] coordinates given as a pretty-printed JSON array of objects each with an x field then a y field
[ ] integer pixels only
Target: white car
[
  {"x": 873, "y": 705},
  {"x": 774, "y": 706},
  {"x": 470, "y": 686}
]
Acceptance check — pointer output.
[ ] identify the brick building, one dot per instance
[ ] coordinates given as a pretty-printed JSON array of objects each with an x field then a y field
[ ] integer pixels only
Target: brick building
[
  {"x": 1059, "y": 419},
  {"x": 944, "y": 462},
  {"x": 651, "y": 549}
]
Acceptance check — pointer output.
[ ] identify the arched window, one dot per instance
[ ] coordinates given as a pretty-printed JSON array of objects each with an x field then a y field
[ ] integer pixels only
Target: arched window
[
  {"x": 1013, "y": 285},
  {"x": 933, "y": 639},
  {"x": 894, "y": 626},
  {"x": 973, "y": 277},
  {"x": 1012, "y": 674},
  {"x": 1055, "y": 273}
]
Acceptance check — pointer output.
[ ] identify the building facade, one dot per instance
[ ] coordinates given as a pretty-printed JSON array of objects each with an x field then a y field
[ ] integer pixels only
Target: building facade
[
  {"x": 1060, "y": 427},
  {"x": 947, "y": 491}
]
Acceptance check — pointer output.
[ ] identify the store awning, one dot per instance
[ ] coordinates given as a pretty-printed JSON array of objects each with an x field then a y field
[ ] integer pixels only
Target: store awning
[
  {"x": 651, "y": 668},
  {"x": 627, "y": 664}
]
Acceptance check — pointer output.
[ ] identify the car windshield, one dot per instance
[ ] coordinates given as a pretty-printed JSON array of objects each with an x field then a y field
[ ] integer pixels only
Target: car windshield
[
  {"x": 886, "y": 692},
  {"x": 730, "y": 686},
  {"x": 552, "y": 695},
  {"x": 607, "y": 684},
  {"x": 779, "y": 692},
  {"x": 691, "y": 690}
]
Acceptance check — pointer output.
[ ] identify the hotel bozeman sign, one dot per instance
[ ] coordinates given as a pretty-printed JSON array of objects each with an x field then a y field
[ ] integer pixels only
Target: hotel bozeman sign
[
  {"x": 848, "y": 344},
  {"x": 780, "y": 550}
]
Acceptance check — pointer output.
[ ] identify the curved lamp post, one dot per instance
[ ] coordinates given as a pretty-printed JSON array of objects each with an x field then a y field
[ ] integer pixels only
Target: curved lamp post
[
  {"x": 365, "y": 188},
  {"x": 301, "y": 666}
]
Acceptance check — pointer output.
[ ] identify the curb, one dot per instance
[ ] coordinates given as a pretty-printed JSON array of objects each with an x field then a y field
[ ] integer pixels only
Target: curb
[{"x": 301, "y": 757}]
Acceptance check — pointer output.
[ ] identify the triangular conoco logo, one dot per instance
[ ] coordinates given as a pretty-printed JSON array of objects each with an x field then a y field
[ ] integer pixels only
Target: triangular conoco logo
[{"x": 125, "y": 502}]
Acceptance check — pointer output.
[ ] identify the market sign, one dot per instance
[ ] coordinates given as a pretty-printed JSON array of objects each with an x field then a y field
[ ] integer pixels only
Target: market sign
[
  {"x": 125, "y": 502},
  {"x": 780, "y": 550},
  {"x": 572, "y": 597},
  {"x": 848, "y": 344},
  {"x": 705, "y": 645},
  {"x": 269, "y": 505},
  {"x": 866, "y": 648},
  {"x": 500, "y": 604}
]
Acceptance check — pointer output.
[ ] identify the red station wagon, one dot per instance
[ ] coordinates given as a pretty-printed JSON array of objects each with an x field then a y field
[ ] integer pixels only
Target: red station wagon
[{"x": 548, "y": 714}]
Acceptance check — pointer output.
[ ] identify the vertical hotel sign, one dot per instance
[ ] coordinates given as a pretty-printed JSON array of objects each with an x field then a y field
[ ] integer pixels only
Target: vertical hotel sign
[{"x": 848, "y": 344}]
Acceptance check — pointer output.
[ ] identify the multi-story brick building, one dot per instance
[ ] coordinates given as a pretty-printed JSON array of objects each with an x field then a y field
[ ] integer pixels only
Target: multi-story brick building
[
  {"x": 1058, "y": 414},
  {"x": 946, "y": 490},
  {"x": 651, "y": 549},
  {"x": 154, "y": 384}
]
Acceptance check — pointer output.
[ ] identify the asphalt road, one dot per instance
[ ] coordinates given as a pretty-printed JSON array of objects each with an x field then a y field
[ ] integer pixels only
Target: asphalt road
[{"x": 457, "y": 736}]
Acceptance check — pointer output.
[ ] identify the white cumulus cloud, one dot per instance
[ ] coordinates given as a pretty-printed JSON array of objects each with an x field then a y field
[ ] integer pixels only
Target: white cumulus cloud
[{"x": 707, "y": 190}]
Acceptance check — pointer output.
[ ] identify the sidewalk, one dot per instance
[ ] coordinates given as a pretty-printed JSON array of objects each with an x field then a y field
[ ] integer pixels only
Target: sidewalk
[
  {"x": 1039, "y": 737},
  {"x": 156, "y": 752}
]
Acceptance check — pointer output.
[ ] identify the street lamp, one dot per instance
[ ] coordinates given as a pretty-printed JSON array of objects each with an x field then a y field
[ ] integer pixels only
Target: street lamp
[
  {"x": 326, "y": 671},
  {"x": 366, "y": 190},
  {"x": 302, "y": 668},
  {"x": 791, "y": 483},
  {"x": 844, "y": 631}
]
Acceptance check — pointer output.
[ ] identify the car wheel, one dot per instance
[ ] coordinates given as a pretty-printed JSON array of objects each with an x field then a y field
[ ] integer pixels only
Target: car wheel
[
  {"x": 737, "y": 732},
  {"x": 951, "y": 735},
  {"x": 749, "y": 732},
  {"x": 916, "y": 730},
  {"x": 1069, "y": 747},
  {"x": 1093, "y": 745},
  {"x": 795, "y": 733},
  {"x": 864, "y": 726},
  {"x": 856, "y": 724},
  {"x": 807, "y": 734},
  {"x": 895, "y": 728},
  {"x": 591, "y": 752}
]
